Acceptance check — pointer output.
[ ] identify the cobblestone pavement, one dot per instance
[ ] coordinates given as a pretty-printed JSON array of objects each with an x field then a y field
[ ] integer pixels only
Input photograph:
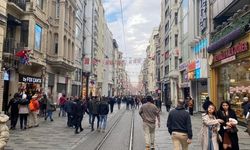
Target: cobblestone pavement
[
  {"x": 50, "y": 135},
  {"x": 163, "y": 139},
  {"x": 57, "y": 136}
]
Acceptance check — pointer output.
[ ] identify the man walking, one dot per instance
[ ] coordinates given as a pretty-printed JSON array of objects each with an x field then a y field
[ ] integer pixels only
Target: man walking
[
  {"x": 103, "y": 111},
  {"x": 149, "y": 112},
  {"x": 179, "y": 126}
]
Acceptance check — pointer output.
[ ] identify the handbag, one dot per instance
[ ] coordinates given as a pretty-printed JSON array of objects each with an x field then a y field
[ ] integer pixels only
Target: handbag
[{"x": 232, "y": 130}]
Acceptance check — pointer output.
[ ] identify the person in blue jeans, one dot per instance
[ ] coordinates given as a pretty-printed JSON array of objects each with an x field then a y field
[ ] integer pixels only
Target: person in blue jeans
[
  {"x": 49, "y": 106},
  {"x": 103, "y": 111}
]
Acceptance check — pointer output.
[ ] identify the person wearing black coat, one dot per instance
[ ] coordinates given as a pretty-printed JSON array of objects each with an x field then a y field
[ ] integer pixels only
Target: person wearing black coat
[
  {"x": 111, "y": 103},
  {"x": 206, "y": 103},
  {"x": 103, "y": 111},
  {"x": 69, "y": 110},
  {"x": 229, "y": 138},
  {"x": 78, "y": 112},
  {"x": 13, "y": 105},
  {"x": 93, "y": 109}
]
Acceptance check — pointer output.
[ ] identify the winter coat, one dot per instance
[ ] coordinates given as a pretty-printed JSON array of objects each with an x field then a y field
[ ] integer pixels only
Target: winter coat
[
  {"x": 14, "y": 106},
  {"x": 93, "y": 107},
  {"x": 23, "y": 106},
  {"x": 78, "y": 109},
  {"x": 103, "y": 108},
  {"x": 49, "y": 104},
  {"x": 233, "y": 136},
  {"x": 69, "y": 106},
  {"x": 209, "y": 131},
  {"x": 4, "y": 131}
]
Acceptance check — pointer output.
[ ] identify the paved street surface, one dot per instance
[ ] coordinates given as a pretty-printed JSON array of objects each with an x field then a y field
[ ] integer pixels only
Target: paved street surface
[{"x": 56, "y": 136}]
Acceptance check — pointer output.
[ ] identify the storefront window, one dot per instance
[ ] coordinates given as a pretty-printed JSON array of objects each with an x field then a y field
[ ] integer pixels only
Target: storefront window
[{"x": 234, "y": 84}]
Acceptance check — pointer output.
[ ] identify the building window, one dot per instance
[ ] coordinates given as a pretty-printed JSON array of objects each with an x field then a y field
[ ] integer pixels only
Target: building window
[
  {"x": 38, "y": 37},
  {"x": 167, "y": 27},
  {"x": 176, "y": 40},
  {"x": 166, "y": 41},
  {"x": 176, "y": 62},
  {"x": 39, "y": 3},
  {"x": 166, "y": 71},
  {"x": 167, "y": 12},
  {"x": 176, "y": 18},
  {"x": 57, "y": 8},
  {"x": 175, "y": 1}
]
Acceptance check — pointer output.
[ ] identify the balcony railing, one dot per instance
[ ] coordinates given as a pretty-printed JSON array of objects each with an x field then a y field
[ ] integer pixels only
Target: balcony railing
[
  {"x": 11, "y": 46},
  {"x": 19, "y": 3}
]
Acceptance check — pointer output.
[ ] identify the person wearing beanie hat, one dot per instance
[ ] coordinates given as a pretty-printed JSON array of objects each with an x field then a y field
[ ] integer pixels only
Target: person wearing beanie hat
[{"x": 149, "y": 112}]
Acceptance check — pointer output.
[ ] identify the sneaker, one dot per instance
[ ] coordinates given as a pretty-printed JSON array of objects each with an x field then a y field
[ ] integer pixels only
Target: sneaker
[
  {"x": 92, "y": 129},
  {"x": 81, "y": 129},
  {"x": 76, "y": 132},
  {"x": 51, "y": 120}
]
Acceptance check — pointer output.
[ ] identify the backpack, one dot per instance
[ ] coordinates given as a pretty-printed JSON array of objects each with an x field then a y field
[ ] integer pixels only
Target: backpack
[{"x": 33, "y": 105}]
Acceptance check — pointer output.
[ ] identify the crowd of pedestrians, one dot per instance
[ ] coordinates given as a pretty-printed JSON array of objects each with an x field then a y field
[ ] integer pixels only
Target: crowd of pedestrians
[{"x": 218, "y": 130}]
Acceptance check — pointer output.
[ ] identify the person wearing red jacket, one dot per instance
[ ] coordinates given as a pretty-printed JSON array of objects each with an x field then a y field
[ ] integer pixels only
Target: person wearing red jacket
[{"x": 62, "y": 102}]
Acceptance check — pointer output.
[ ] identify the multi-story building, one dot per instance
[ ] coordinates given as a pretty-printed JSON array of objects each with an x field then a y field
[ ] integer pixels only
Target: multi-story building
[
  {"x": 157, "y": 60},
  {"x": 108, "y": 61},
  {"x": 4, "y": 79},
  {"x": 79, "y": 48},
  {"x": 194, "y": 45},
  {"x": 169, "y": 40},
  {"x": 151, "y": 53},
  {"x": 119, "y": 68},
  {"x": 229, "y": 53},
  {"x": 25, "y": 47},
  {"x": 61, "y": 46}
]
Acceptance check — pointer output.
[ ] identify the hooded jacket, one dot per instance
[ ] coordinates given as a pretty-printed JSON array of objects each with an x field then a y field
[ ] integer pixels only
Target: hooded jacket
[{"x": 179, "y": 121}]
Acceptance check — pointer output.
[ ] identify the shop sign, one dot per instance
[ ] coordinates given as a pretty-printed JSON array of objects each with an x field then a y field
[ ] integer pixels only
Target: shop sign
[
  {"x": 236, "y": 49},
  {"x": 191, "y": 66},
  {"x": 197, "y": 73},
  {"x": 29, "y": 79},
  {"x": 203, "y": 15},
  {"x": 228, "y": 59},
  {"x": 197, "y": 64},
  {"x": 183, "y": 66}
]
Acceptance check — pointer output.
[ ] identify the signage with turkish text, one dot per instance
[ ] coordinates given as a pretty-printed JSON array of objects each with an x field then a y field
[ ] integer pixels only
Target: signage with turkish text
[
  {"x": 29, "y": 79},
  {"x": 236, "y": 49}
]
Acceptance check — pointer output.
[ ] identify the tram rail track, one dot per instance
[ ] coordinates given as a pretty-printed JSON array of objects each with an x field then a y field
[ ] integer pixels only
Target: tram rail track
[{"x": 130, "y": 147}]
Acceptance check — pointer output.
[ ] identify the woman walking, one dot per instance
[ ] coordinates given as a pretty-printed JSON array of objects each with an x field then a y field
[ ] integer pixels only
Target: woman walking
[
  {"x": 209, "y": 130},
  {"x": 49, "y": 107},
  {"x": 228, "y": 129},
  {"x": 23, "y": 111}
]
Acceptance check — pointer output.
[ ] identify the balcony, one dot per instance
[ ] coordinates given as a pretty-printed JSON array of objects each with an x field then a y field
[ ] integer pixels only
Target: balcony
[
  {"x": 60, "y": 63},
  {"x": 18, "y": 4},
  {"x": 11, "y": 46}
]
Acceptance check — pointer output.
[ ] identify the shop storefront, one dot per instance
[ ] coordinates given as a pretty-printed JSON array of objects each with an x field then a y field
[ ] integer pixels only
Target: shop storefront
[
  {"x": 230, "y": 70},
  {"x": 184, "y": 84},
  {"x": 29, "y": 84},
  {"x": 197, "y": 75}
]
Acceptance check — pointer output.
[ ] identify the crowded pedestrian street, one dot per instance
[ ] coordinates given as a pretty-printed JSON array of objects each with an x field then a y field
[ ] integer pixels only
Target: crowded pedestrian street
[
  {"x": 124, "y": 74},
  {"x": 57, "y": 136}
]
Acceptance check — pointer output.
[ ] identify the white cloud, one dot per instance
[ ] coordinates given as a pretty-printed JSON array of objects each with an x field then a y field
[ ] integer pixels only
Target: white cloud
[{"x": 140, "y": 17}]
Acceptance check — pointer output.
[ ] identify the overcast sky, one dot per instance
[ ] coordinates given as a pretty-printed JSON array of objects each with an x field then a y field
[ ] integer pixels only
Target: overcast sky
[{"x": 140, "y": 17}]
